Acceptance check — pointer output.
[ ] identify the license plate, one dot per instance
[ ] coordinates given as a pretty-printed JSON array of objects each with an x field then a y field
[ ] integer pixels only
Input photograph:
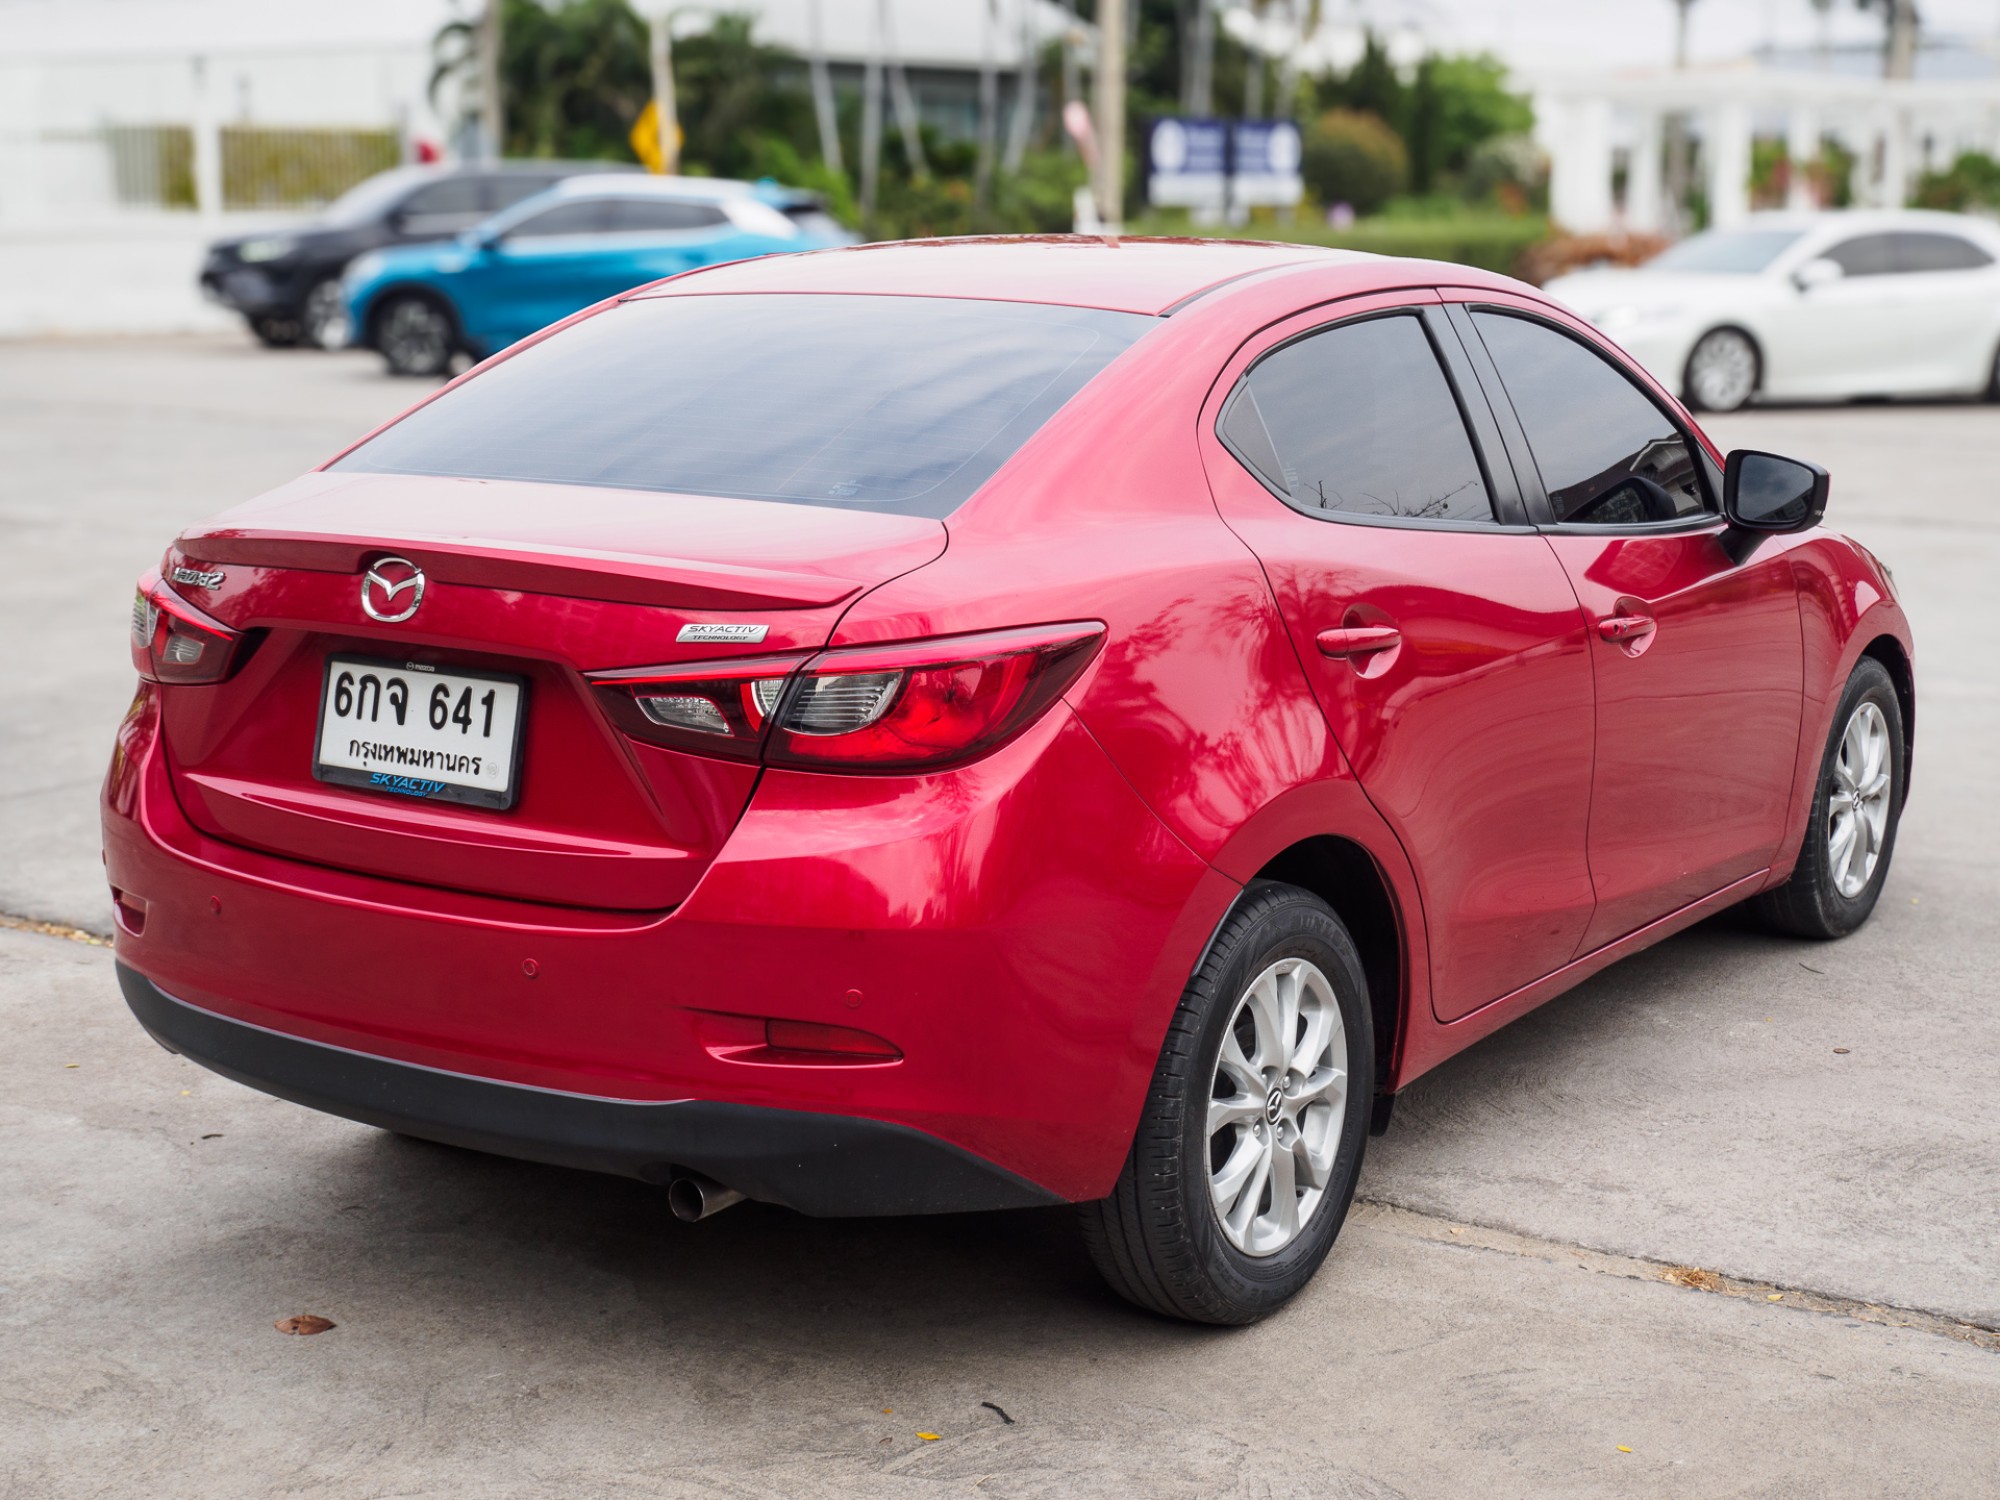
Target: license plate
[{"x": 410, "y": 730}]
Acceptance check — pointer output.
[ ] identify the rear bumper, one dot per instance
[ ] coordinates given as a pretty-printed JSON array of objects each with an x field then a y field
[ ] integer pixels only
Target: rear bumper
[
  {"x": 815, "y": 1163},
  {"x": 971, "y": 919}
]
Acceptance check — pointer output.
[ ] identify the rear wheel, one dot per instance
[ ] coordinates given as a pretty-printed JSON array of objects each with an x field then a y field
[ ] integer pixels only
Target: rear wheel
[
  {"x": 1852, "y": 831},
  {"x": 324, "y": 315},
  {"x": 415, "y": 335},
  {"x": 1250, "y": 1143},
  {"x": 1722, "y": 370}
]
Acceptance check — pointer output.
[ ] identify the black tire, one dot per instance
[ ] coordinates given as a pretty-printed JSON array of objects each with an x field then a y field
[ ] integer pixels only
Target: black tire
[
  {"x": 1993, "y": 378},
  {"x": 415, "y": 334},
  {"x": 323, "y": 315},
  {"x": 1736, "y": 353},
  {"x": 1158, "y": 1239},
  {"x": 275, "y": 332},
  {"x": 1811, "y": 903}
]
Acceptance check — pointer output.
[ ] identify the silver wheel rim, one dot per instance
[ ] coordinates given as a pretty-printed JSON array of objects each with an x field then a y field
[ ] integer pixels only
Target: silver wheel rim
[
  {"x": 1857, "y": 807},
  {"x": 1277, "y": 1102},
  {"x": 414, "y": 336},
  {"x": 1723, "y": 371},
  {"x": 326, "y": 315}
]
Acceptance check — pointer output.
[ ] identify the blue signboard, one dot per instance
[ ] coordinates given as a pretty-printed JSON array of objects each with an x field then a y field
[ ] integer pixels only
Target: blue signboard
[{"x": 1223, "y": 166}]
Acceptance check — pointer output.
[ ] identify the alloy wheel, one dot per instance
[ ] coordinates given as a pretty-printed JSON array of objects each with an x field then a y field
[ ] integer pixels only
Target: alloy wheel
[
  {"x": 415, "y": 337},
  {"x": 1276, "y": 1102},
  {"x": 1722, "y": 371},
  {"x": 325, "y": 316},
  {"x": 1857, "y": 815}
]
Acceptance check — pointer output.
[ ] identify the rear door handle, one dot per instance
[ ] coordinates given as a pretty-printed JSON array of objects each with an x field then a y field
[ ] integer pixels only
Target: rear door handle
[
  {"x": 1358, "y": 640},
  {"x": 1626, "y": 627}
]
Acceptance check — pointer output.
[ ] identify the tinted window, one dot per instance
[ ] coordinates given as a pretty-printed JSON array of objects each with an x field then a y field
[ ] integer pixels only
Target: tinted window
[
  {"x": 632, "y": 214},
  {"x": 1939, "y": 252},
  {"x": 881, "y": 403},
  {"x": 582, "y": 216},
  {"x": 1721, "y": 251},
  {"x": 1359, "y": 420},
  {"x": 509, "y": 188},
  {"x": 1866, "y": 255},
  {"x": 454, "y": 195},
  {"x": 1607, "y": 455}
]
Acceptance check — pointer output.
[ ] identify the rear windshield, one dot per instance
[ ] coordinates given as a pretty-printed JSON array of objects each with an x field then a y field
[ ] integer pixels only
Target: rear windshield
[{"x": 902, "y": 404}]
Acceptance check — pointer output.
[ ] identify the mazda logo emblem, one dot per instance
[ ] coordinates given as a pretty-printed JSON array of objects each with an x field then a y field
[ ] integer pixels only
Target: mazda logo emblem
[{"x": 386, "y": 581}]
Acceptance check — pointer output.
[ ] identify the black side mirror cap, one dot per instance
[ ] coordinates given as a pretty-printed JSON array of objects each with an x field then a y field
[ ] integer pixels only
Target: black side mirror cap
[{"x": 1767, "y": 493}]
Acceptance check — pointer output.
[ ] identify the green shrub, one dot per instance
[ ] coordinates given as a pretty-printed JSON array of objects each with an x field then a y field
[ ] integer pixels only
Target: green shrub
[
  {"x": 1491, "y": 241},
  {"x": 1972, "y": 181},
  {"x": 1354, "y": 157}
]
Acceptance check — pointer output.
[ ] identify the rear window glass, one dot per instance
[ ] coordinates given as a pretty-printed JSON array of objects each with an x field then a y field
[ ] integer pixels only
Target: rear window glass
[{"x": 904, "y": 404}]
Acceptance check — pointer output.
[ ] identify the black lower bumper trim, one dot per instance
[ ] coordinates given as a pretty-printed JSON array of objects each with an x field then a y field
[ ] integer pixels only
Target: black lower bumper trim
[{"x": 829, "y": 1165}]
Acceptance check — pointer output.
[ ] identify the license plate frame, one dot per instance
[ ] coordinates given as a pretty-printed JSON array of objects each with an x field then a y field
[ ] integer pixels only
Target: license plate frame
[{"x": 407, "y": 779}]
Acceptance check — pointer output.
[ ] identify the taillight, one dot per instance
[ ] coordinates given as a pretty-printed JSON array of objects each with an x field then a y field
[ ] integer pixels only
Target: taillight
[
  {"x": 920, "y": 705},
  {"x": 930, "y": 703},
  {"x": 711, "y": 708},
  {"x": 174, "y": 642}
]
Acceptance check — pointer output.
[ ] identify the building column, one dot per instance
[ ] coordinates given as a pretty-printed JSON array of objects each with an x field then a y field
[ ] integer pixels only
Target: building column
[
  {"x": 1893, "y": 191},
  {"x": 207, "y": 131},
  {"x": 1580, "y": 166},
  {"x": 1802, "y": 150},
  {"x": 1728, "y": 151},
  {"x": 1644, "y": 213}
]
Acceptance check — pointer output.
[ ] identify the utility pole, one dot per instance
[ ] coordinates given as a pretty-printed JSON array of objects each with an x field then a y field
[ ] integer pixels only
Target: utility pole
[
  {"x": 989, "y": 114},
  {"x": 1110, "y": 90},
  {"x": 492, "y": 113},
  {"x": 1899, "y": 58},
  {"x": 666, "y": 109},
  {"x": 1198, "y": 91},
  {"x": 871, "y": 120},
  {"x": 822, "y": 92},
  {"x": 1022, "y": 126},
  {"x": 1679, "y": 167}
]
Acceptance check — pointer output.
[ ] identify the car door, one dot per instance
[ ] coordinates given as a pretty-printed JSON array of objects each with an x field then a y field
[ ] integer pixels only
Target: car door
[
  {"x": 1948, "y": 291},
  {"x": 438, "y": 210},
  {"x": 651, "y": 237},
  {"x": 1695, "y": 646},
  {"x": 537, "y": 272},
  {"x": 1436, "y": 628},
  {"x": 1843, "y": 337}
]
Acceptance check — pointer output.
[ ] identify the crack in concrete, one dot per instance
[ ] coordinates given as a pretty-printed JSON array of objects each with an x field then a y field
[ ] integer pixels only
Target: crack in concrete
[
  {"x": 1411, "y": 1224},
  {"x": 54, "y": 930}
]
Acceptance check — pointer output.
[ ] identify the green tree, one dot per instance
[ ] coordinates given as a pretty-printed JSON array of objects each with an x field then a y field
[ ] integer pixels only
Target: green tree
[
  {"x": 1353, "y": 157},
  {"x": 574, "y": 75}
]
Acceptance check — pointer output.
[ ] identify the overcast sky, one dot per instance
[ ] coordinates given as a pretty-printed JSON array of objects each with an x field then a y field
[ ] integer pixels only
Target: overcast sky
[{"x": 1626, "y": 33}]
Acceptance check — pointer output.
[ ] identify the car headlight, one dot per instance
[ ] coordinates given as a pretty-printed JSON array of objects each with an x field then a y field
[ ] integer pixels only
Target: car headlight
[
  {"x": 362, "y": 268},
  {"x": 252, "y": 251},
  {"x": 1632, "y": 314}
]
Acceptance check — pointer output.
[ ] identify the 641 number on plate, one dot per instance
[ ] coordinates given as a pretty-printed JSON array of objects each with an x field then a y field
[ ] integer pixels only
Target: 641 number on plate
[{"x": 411, "y": 730}]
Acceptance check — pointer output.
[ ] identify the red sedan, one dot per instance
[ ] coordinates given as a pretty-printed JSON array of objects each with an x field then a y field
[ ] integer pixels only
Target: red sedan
[{"x": 990, "y": 723}]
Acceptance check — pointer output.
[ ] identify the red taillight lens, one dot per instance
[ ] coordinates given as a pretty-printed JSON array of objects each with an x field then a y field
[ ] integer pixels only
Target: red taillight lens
[
  {"x": 711, "y": 708},
  {"x": 927, "y": 704},
  {"x": 174, "y": 642},
  {"x": 916, "y": 706}
]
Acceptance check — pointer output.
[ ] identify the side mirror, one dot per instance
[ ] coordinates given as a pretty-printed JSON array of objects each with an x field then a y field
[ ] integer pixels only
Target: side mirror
[
  {"x": 1762, "y": 492},
  {"x": 1821, "y": 272}
]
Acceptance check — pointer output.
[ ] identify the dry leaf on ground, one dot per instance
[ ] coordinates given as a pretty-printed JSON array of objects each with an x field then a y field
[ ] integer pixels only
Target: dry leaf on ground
[{"x": 304, "y": 1323}]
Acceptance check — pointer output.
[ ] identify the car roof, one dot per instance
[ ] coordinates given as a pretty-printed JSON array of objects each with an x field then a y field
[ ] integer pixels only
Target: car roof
[
  {"x": 642, "y": 185},
  {"x": 1122, "y": 275},
  {"x": 1860, "y": 219}
]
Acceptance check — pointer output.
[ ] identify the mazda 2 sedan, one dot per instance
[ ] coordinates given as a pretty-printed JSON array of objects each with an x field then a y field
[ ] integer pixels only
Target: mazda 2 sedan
[{"x": 989, "y": 723}]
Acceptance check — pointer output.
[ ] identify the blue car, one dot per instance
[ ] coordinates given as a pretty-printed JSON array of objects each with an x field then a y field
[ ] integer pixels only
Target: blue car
[{"x": 583, "y": 240}]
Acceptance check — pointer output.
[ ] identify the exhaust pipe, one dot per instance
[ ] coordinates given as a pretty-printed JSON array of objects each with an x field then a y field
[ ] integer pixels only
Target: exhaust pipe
[{"x": 694, "y": 1197}]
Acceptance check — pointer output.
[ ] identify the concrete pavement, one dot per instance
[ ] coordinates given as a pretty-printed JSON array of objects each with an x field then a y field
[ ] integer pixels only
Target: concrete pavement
[{"x": 513, "y": 1330}]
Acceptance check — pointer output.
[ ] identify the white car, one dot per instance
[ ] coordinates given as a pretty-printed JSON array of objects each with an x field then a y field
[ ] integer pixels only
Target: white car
[{"x": 1810, "y": 307}]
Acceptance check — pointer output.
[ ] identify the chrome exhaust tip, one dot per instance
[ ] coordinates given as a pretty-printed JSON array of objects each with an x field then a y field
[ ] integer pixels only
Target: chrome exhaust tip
[{"x": 694, "y": 1197}]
